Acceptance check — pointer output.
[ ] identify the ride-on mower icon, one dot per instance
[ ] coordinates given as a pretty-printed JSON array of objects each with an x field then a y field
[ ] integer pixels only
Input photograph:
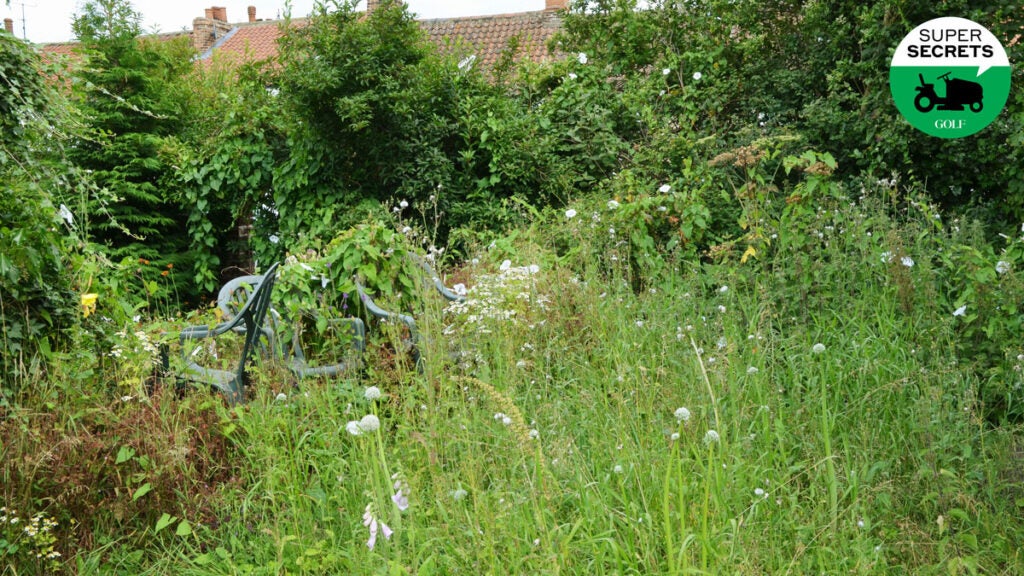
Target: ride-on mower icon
[{"x": 958, "y": 94}]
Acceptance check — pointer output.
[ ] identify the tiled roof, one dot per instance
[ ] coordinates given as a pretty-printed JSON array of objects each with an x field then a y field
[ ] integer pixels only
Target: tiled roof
[{"x": 486, "y": 37}]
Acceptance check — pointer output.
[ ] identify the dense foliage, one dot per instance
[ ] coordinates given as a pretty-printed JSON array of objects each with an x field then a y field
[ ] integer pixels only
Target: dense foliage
[{"x": 726, "y": 311}]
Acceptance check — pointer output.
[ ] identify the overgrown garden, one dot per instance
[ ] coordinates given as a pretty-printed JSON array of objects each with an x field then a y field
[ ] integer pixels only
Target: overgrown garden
[{"x": 726, "y": 312}]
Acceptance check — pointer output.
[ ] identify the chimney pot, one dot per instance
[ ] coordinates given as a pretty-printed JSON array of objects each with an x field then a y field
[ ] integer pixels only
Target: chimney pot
[
  {"x": 209, "y": 13},
  {"x": 220, "y": 13},
  {"x": 252, "y": 13},
  {"x": 9, "y": 25}
]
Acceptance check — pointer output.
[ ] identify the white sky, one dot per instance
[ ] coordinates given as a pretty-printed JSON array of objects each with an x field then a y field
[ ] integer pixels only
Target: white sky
[{"x": 50, "y": 20}]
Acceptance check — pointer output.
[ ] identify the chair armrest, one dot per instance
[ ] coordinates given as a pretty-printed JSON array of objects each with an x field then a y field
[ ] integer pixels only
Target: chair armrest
[{"x": 379, "y": 312}]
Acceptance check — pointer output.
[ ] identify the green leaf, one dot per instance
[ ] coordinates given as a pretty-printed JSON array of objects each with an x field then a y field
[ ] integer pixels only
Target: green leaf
[
  {"x": 124, "y": 454},
  {"x": 184, "y": 529},
  {"x": 164, "y": 521},
  {"x": 142, "y": 491}
]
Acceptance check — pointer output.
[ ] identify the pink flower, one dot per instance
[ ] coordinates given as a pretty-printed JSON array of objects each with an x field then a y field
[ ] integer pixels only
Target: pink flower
[{"x": 373, "y": 524}]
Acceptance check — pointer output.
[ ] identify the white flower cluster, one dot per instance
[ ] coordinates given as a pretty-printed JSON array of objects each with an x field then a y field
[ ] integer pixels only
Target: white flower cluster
[
  {"x": 495, "y": 298},
  {"x": 368, "y": 423}
]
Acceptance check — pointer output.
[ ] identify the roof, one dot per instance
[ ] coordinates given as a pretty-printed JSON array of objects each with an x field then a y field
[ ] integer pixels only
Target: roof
[{"x": 484, "y": 37}]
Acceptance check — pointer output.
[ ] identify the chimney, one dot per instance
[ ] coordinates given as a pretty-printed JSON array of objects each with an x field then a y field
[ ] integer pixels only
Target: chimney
[
  {"x": 552, "y": 5},
  {"x": 9, "y": 25},
  {"x": 252, "y": 13},
  {"x": 220, "y": 13},
  {"x": 371, "y": 5}
]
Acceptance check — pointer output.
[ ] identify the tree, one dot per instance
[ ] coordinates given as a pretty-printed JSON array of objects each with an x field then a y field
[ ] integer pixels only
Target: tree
[{"x": 126, "y": 90}]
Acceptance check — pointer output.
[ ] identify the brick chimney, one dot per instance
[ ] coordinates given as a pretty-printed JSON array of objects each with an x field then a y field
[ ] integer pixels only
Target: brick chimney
[
  {"x": 552, "y": 5},
  {"x": 252, "y": 13},
  {"x": 371, "y": 5},
  {"x": 206, "y": 31},
  {"x": 9, "y": 25}
]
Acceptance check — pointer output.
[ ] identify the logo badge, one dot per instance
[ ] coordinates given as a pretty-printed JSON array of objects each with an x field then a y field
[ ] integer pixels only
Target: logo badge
[{"x": 950, "y": 77}]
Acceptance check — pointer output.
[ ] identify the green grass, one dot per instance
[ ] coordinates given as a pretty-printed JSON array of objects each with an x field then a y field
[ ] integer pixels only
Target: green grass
[{"x": 548, "y": 446}]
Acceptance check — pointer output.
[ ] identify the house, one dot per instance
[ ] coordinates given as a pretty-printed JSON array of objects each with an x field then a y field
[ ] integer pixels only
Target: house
[{"x": 486, "y": 37}]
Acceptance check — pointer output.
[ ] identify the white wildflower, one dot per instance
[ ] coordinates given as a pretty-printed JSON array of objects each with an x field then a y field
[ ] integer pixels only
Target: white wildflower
[
  {"x": 818, "y": 348},
  {"x": 907, "y": 261},
  {"x": 612, "y": 204},
  {"x": 274, "y": 239},
  {"x": 675, "y": 436},
  {"x": 65, "y": 213},
  {"x": 506, "y": 265},
  {"x": 403, "y": 204},
  {"x": 960, "y": 311},
  {"x": 1002, "y": 267},
  {"x": 723, "y": 289},
  {"x": 369, "y": 423},
  {"x": 570, "y": 214},
  {"x": 751, "y": 370},
  {"x": 281, "y": 397},
  {"x": 697, "y": 75},
  {"x": 459, "y": 494},
  {"x": 534, "y": 434},
  {"x": 682, "y": 414},
  {"x": 617, "y": 469},
  {"x": 582, "y": 58},
  {"x": 372, "y": 393},
  {"x": 665, "y": 71},
  {"x": 711, "y": 437},
  {"x": 353, "y": 428},
  {"x": 572, "y": 76}
]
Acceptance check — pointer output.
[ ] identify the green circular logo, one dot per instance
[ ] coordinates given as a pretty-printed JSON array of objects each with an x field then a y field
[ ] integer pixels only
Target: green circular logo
[{"x": 950, "y": 77}]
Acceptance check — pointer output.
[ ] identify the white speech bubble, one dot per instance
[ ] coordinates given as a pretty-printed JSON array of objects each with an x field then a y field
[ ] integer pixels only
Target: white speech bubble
[{"x": 951, "y": 31}]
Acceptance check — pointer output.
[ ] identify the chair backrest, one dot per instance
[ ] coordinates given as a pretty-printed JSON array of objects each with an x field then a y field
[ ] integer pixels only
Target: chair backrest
[
  {"x": 235, "y": 293},
  {"x": 252, "y": 314}
]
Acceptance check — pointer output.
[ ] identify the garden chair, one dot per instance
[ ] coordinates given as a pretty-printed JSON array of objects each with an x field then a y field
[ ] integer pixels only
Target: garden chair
[
  {"x": 249, "y": 320},
  {"x": 410, "y": 323},
  {"x": 235, "y": 292}
]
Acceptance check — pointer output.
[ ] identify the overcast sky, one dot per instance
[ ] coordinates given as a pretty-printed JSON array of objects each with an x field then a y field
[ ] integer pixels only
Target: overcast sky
[{"x": 50, "y": 20}]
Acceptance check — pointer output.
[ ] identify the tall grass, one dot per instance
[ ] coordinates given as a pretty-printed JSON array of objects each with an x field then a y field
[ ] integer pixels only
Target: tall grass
[{"x": 829, "y": 428}]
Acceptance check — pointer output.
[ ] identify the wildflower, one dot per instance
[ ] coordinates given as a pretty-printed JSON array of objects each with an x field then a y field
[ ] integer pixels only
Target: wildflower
[
  {"x": 818, "y": 348},
  {"x": 459, "y": 494},
  {"x": 369, "y": 423},
  {"x": 682, "y": 414},
  {"x": 353, "y": 428},
  {"x": 960, "y": 311},
  {"x": 860, "y": 523},
  {"x": 534, "y": 434},
  {"x": 406, "y": 230},
  {"x": 721, "y": 309},
  {"x": 506, "y": 265},
  {"x": 711, "y": 437},
  {"x": 372, "y": 393},
  {"x": 612, "y": 204},
  {"x": 459, "y": 289},
  {"x": 617, "y": 469},
  {"x": 664, "y": 189},
  {"x": 403, "y": 204},
  {"x": 759, "y": 492},
  {"x": 506, "y": 420},
  {"x": 66, "y": 215},
  {"x": 697, "y": 75},
  {"x": 665, "y": 71},
  {"x": 907, "y": 261},
  {"x": 401, "y": 495},
  {"x": 675, "y": 436},
  {"x": 274, "y": 239},
  {"x": 886, "y": 257},
  {"x": 570, "y": 214},
  {"x": 1002, "y": 267},
  {"x": 582, "y": 58},
  {"x": 281, "y": 397},
  {"x": 723, "y": 289},
  {"x": 89, "y": 304},
  {"x": 751, "y": 370},
  {"x": 371, "y": 522},
  {"x": 572, "y": 76}
]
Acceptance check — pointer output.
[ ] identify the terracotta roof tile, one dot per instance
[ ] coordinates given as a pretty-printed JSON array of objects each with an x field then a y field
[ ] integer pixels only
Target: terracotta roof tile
[{"x": 484, "y": 37}]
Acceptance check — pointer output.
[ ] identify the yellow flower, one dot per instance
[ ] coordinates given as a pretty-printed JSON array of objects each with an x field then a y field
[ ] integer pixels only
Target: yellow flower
[{"x": 89, "y": 304}]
